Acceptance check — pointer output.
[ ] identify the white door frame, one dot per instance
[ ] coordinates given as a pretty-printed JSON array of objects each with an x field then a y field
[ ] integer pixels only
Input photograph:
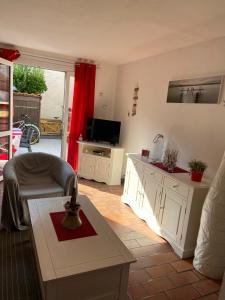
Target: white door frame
[{"x": 67, "y": 100}]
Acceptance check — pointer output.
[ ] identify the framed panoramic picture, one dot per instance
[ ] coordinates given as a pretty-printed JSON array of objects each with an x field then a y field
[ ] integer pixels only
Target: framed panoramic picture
[{"x": 197, "y": 90}]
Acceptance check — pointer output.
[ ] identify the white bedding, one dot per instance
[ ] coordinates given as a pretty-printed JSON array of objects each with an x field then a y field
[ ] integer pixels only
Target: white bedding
[{"x": 210, "y": 250}]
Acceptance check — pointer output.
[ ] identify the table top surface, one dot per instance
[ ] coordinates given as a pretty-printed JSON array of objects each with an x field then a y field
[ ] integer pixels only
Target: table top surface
[
  {"x": 182, "y": 177},
  {"x": 71, "y": 257}
]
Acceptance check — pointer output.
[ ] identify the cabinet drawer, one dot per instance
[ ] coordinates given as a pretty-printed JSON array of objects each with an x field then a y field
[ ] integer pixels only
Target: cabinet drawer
[
  {"x": 177, "y": 186},
  {"x": 153, "y": 175}
]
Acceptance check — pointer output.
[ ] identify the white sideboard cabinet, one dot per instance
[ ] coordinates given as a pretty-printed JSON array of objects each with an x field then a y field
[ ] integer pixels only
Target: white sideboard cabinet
[
  {"x": 100, "y": 162},
  {"x": 170, "y": 203}
]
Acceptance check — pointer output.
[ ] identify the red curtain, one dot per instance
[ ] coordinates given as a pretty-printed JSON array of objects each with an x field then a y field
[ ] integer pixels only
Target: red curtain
[
  {"x": 83, "y": 107},
  {"x": 9, "y": 54}
]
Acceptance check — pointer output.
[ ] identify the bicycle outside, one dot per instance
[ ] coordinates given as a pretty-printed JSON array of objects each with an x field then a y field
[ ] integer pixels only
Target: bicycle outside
[{"x": 24, "y": 125}]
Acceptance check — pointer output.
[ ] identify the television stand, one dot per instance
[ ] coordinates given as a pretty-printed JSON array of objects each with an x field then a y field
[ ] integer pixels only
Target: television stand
[{"x": 100, "y": 162}]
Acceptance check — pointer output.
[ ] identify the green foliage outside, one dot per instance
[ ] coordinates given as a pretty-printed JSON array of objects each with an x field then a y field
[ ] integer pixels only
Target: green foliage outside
[
  {"x": 29, "y": 79},
  {"x": 197, "y": 165}
]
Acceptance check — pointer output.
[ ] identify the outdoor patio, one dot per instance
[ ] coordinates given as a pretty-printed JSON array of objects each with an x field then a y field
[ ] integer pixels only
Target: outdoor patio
[{"x": 46, "y": 145}]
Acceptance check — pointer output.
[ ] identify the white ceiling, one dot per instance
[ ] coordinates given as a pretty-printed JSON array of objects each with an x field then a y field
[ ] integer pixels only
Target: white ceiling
[{"x": 116, "y": 31}]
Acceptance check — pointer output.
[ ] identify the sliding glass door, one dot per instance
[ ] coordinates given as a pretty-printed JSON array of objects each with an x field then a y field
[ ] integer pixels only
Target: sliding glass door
[{"x": 6, "y": 72}]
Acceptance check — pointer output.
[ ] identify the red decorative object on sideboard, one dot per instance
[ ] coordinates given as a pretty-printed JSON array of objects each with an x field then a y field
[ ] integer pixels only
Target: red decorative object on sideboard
[
  {"x": 175, "y": 170},
  {"x": 196, "y": 176},
  {"x": 145, "y": 153}
]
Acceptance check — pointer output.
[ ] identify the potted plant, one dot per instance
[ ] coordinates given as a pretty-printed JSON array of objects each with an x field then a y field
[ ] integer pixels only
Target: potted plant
[
  {"x": 29, "y": 80},
  {"x": 197, "y": 168}
]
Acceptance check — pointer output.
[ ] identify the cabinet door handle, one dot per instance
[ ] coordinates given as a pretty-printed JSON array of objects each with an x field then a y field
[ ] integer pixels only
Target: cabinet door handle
[
  {"x": 153, "y": 173},
  {"x": 175, "y": 186}
]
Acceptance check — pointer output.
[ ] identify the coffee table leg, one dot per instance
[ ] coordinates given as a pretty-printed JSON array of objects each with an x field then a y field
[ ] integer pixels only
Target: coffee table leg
[{"x": 124, "y": 283}]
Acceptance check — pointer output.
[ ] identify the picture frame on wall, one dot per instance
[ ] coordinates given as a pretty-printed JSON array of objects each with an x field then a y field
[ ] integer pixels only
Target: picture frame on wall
[{"x": 198, "y": 90}]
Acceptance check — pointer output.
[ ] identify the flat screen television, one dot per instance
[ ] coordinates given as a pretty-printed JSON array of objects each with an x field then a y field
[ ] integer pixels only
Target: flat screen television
[{"x": 99, "y": 130}]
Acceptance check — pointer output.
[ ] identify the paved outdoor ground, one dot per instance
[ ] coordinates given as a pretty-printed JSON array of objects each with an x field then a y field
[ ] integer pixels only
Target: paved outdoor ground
[{"x": 51, "y": 146}]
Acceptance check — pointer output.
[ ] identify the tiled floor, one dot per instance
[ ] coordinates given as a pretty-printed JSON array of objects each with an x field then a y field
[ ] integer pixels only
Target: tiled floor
[{"x": 158, "y": 274}]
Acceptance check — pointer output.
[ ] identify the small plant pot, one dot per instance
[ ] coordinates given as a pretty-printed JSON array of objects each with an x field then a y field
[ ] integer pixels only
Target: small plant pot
[{"x": 196, "y": 176}]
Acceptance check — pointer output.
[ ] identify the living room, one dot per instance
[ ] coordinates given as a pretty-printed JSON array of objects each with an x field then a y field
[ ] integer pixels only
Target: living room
[{"x": 138, "y": 49}]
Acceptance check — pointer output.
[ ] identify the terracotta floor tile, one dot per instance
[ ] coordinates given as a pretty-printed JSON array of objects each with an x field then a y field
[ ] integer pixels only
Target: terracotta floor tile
[
  {"x": 151, "y": 250},
  {"x": 163, "y": 258},
  {"x": 158, "y": 285},
  {"x": 157, "y": 297},
  {"x": 131, "y": 235},
  {"x": 206, "y": 287},
  {"x": 160, "y": 271},
  {"x": 210, "y": 297},
  {"x": 137, "y": 291},
  {"x": 131, "y": 244},
  {"x": 143, "y": 251},
  {"x": 183, "y": 265},
  {"x": 118, "y": 228},
  {"x": 183, "y": 293},
  {"x": 183, "y": 278},
  {"x": 150, "y": 234},
  {"x": 141, "y": 263},
  {"x": 145, "y": 241},
  {"x": 161, "y": 248},
  {"x": 199, "y": 275},
  {"x": 137, "y": 276}
]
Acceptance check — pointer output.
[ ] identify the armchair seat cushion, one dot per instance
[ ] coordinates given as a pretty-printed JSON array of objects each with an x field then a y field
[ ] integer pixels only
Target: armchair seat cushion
[{"x": 51, "y": 189}]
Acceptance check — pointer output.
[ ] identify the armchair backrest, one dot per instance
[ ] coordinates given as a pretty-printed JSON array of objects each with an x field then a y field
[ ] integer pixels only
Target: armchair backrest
[{"x": 38, "y": 165}]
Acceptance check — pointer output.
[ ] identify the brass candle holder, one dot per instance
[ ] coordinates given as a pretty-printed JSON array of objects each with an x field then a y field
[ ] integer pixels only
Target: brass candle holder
[{"x": 71, "y": 219}]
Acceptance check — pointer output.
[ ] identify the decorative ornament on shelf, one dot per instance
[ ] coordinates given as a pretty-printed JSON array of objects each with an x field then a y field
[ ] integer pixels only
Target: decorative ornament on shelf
[
  {"x": 197, "y": 168},
  {"x": 72, "y": 219},
  {"x": 170, "y": 159},
  {"x": 157, "y": 150},
  {"x": 145, "y": 153}
]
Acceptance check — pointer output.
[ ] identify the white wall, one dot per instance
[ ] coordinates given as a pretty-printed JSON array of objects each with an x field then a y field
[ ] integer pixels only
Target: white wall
[
  {"x": 198, "y": 130},
  {"x": 52, "y": 99},
  {"x": 106, "y": 75},
  {"x": 105, "y": 86}
]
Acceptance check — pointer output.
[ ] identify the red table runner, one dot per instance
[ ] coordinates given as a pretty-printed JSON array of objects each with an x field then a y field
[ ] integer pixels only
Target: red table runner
[
  {"x": 175, "y": 170},
  {"x": 85, "y": 230}
]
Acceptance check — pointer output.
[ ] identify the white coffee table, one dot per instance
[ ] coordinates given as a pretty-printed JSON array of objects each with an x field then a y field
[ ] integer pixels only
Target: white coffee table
[{"x": 95, "y": 267}]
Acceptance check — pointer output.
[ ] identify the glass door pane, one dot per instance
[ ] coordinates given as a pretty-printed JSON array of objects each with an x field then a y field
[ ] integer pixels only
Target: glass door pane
[
  {"x": 4, "y": 97},
  {"x": 67, "y": 109},
  {"x": 4, "y": 152},
  {"x": 4, "y": 147}
]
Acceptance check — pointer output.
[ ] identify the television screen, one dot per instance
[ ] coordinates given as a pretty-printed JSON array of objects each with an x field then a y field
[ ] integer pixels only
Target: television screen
[{"x": 99, "y": 130}]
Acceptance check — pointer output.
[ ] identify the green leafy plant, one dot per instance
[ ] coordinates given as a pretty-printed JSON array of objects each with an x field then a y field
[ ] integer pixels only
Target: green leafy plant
[
  {"x": 197, "y": 165},
  {"x": 29, "y": 80}
]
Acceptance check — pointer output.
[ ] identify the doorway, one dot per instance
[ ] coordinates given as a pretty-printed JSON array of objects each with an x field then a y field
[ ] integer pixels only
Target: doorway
[
  {"x": 51, "y": 114},
  {"x": 48, "y": 111}
]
